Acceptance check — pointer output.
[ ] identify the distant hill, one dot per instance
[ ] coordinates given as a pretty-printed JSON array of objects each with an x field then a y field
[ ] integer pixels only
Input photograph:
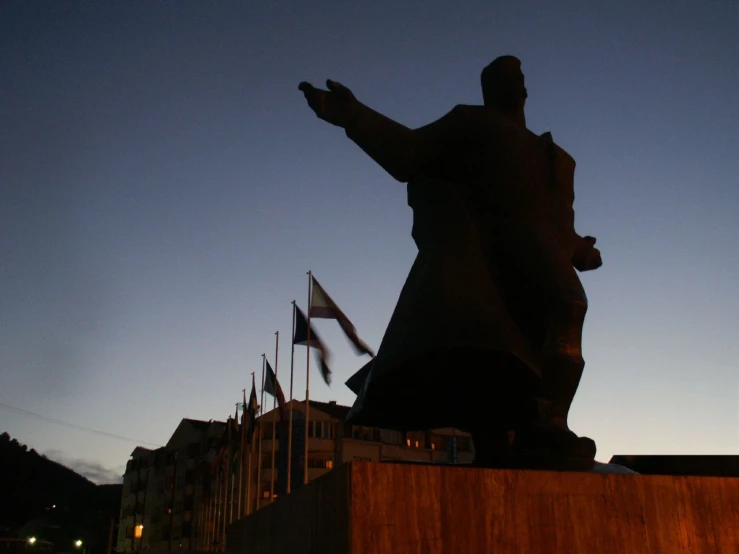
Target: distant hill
[{"x": 38, "y": 494}]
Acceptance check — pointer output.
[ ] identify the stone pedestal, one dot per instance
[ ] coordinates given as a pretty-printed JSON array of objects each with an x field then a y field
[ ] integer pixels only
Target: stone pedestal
[{"x": 371, "y": 508}]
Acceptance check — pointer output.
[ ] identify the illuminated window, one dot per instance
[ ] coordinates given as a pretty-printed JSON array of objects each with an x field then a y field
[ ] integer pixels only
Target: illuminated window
[
  {"x": 416, "y": 444},
  {"x": 408, "y": 442},
  {"x": 329, "y": 464},
  {"x": 265, "y": 494},
  {"x": 138, "y": 531},
  {"x": 433, "y": 446}
]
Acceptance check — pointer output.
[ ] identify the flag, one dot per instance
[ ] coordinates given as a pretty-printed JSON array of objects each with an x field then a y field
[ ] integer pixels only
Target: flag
[
  {"x": 323, "y": 307},
  {"x": 236, "y": 420},
  {"x": 301, "y": 338},
  {"x": 251, "y": 411},
  {"x": 243, "y": 419},
  {"x": 272, "y": 386}
]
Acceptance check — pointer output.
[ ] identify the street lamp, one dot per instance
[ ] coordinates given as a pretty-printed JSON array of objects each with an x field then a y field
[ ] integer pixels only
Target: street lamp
[
  {"x": 31, "y": 540},
  {"x": 78, "y": 543}
]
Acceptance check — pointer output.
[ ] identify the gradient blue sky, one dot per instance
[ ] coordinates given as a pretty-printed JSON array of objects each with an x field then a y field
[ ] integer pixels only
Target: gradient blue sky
[{"x": 164, "y": 189}]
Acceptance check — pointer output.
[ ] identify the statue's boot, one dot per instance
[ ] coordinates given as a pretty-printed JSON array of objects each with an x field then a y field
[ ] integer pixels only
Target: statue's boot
[{"x": 548, "y": 442}]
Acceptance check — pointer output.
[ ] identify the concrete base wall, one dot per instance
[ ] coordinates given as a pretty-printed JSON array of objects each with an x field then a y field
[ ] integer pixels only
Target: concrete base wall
[{"x": 370, "y": 508}]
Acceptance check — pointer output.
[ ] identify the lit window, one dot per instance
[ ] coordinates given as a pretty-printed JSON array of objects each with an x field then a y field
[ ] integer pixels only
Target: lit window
[
  {"x": 433, "y": 446},
  {"x": 329, "y": 464},
  {"x": 408, "y": 442},
  {"x": 138, "y": 531},
  {"x": 416, "y": 444}
]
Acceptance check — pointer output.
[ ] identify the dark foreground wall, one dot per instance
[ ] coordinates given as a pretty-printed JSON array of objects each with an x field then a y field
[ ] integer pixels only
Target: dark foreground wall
[{"x": 368, "y": 508}]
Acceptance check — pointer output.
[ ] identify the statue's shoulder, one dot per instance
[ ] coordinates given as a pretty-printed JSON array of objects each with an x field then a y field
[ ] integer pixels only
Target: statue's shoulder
[
  {"x": 471, "y": 112},
  {"x": 562, "y": 157},
  {"x": 475, "y": 118}
]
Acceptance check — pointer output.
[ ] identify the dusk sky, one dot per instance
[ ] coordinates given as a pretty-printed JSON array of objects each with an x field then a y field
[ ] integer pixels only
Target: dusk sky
[{"x": 164, "y": 189}]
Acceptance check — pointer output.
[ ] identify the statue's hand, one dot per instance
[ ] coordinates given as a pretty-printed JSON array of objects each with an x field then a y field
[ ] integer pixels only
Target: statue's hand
[
  {"x": 337, "y": 105},
  {"x": 586, "y": 257}
]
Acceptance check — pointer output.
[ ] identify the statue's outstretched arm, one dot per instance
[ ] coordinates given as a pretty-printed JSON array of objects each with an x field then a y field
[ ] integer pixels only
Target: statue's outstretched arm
[
  {"x": 389, "y": 143},
  {"x": 438, "y": 150},
  {"x": 435, "y": 150}
]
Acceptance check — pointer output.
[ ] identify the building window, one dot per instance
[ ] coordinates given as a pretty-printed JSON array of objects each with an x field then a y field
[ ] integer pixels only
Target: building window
[
  {"x": 414, "y": 440},
  {"x": 138, "y": 531},
  {"x": 436, "y": 443},
  {"x": 329, "y": 464},
  {"x": 366, "y": 434},
  {"x": 319, "y": 429}
]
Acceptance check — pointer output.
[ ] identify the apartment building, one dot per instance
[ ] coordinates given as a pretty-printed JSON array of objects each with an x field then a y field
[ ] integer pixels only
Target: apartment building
[
  {"x": 332, "y": 442},
  {"x": 182, "y": 496},
  {"x": 163, "y": 488}
]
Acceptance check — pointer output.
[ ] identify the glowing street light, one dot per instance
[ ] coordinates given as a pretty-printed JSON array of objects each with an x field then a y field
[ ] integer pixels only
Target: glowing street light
[
  {"x": 31, "y": 540},
  {"x": 78, "y": 543}
]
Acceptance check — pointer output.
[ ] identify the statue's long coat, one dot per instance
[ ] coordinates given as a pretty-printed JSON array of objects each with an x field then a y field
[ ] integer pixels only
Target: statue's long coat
[{"x": 494, "y": 226}]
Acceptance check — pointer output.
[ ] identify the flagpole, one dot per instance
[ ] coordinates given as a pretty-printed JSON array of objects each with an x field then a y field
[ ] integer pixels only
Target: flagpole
[
  {"x": 202, "y": 518},
  {"x": 231, "y": 472},
  {"x": 274, "y": 423},
  {"x": 307, "y": 385},
  {"x": 226, "y": 476},
  {"x": 206, "y": 532},
  {"x": 222, "y": 539},
  {"x": 231, "y": 486},
  {"x": 206, "y": 527},
  {"x": 203, "y": 525},
  {"x": 217, "y": 514},
  {"x": 211, "y": 523},
  {"x": 247, "y": 503},
  {"x": 290, "y": 425},
  {"x": 259, "y": 448},
  {"x": 248, "y": 461},
  {"x": 241, "y": 456}
]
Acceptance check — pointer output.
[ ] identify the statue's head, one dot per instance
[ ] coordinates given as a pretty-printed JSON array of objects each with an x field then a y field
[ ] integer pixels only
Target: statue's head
[{"x": 503, "y": 84}]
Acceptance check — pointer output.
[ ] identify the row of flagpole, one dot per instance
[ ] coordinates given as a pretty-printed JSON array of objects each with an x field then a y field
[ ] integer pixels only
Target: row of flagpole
[{"x": 235, "y": 491}]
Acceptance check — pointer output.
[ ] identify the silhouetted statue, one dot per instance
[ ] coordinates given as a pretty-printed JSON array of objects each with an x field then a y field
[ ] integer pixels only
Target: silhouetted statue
[{"x": 486, "y": 335}]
